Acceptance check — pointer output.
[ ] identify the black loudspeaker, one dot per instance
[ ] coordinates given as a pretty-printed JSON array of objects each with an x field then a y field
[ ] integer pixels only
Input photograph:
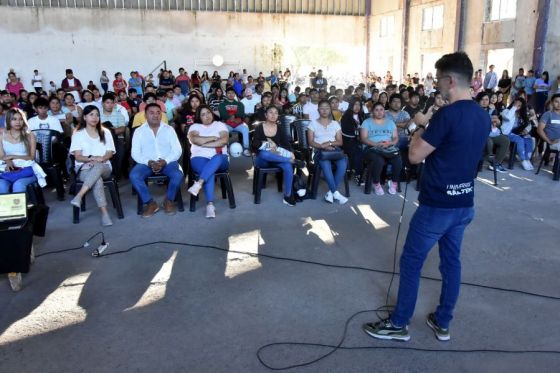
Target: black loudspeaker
[
  {"x": 15, "y": 248},
  {"x": 40, "y": 216}
]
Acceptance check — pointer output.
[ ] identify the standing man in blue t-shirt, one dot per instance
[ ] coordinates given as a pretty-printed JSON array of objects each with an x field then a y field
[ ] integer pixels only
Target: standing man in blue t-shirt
[{"x": 452, "y": 146}]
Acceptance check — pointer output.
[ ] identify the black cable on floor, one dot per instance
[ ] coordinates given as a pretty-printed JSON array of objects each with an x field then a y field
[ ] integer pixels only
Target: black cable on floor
[{"x": 386, "y": 308}]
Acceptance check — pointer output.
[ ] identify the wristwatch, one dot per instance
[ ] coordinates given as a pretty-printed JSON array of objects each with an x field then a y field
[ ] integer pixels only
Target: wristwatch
[{"x": 418, "y": 127}]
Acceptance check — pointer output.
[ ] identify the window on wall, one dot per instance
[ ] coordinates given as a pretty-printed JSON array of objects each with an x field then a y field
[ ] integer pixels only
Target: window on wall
[
  {"x": 387, "y": 26},
  {"x": 502, "y": 9},
  {"x": 432, "y": 18}
]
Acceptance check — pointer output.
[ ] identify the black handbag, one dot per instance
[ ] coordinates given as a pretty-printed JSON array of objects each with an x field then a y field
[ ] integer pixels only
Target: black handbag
[
  {"x": 330, "y": 155},
  {"x": 389, "y": 152}
]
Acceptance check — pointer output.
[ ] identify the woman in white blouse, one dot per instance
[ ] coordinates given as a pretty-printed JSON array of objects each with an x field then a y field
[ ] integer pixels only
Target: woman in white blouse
[
  {"x": 325, "y": 135},
  {"x": 93, "y": 147},
  {"x": 208, "y": 140}
]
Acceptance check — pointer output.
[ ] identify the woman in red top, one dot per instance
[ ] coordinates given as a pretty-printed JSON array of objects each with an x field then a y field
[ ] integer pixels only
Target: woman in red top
[
  {"x": 14, "y": 85},
  {"x": 119, "y": 84},
  {"x": 195, "y": 79}
]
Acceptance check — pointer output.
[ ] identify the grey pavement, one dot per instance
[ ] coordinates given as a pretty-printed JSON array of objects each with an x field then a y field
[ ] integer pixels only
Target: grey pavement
[{"x": 168, "y": 308}]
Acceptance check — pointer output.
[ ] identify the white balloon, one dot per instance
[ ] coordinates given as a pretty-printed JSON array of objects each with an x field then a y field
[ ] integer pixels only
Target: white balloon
[
  {"x": 218, "y": 60},
  {"x": 235, "y": 150}
]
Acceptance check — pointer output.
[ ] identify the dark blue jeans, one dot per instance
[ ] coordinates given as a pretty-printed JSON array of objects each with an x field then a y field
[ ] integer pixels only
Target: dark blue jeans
[
  {"x": 268, "y": 159},
  {"x": 333, "y": 180},
  {"x": 206, "y": 168},
  {"x": 140, "y": 172},
  {"x": 428, "y": 226}
]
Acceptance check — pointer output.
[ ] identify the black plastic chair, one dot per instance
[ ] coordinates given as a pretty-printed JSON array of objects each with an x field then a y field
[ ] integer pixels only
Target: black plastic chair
[
  {"x": 110, "y": 183},
  {"x": 512, "y": 153},
  {"x": 44, "y": 156},
  {"x": 225, "y": 184},
  {"x": 259, "y": 180},
  {"x": 161, "y": 180},
  {"x": 555, "y": 165},
  {"x": 286, "y": 126},
  {"x": 35, "y": 194}
]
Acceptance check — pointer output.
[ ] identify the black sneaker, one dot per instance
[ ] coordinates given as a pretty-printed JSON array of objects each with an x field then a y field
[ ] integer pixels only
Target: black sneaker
[
  {"x": 500, "y": 168},
  {"x": 290, "y": 201},
  {"x": 358, "y": 180},
  {"x": 299, "y": 163},
  {"x": 440, "y": 333},
  {"x": 384, "y": 329}
]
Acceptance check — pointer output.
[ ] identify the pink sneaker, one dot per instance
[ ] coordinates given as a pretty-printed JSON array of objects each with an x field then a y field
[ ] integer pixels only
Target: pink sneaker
[
  {"x": 392, "y": 187},
  {"x": 378, "y": 189}
]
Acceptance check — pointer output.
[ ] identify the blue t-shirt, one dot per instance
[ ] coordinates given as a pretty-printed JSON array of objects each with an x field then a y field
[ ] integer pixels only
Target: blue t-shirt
[
  {"x": 377, "y": 132},
  {"x": 529, "y": 83},
  {"x": 458, "y": 132}
]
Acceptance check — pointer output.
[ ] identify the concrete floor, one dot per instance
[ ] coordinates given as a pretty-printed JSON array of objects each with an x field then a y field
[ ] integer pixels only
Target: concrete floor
[{"x": 171, "y": 308}]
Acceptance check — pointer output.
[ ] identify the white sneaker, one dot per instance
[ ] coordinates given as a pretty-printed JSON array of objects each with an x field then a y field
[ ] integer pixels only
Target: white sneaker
[
  {"x": 210, "y": 212},
  {"x": 526, "y": 165},
  {"x": 392, "y": 189},
  {"x": 340, "y": 198},
  {"x": 530, "y": 165},
  {"x": 246, "y": 153},
  {"x": 329, "y": 197},
  {"x": 378, "y": 189},
  {"x": 195, "y": 188}
]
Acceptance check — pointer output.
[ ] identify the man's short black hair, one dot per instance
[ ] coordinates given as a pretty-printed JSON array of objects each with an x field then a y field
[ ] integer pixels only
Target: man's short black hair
[
  {"x": 414, "y": 94},
  {"x": 554, "y": 97},
  {"x": 132, "y": 90},
  {"x": 108, "y": 96},
  {"x": 153, "y": 104},
  {"x": 160, "y": 93},
  {"x": 457, "y": 63},
  {"x": 395, "y": 96},
  {"x": 149, "y": 95},
  {"x": 60, "y": 90},
  {"x": 41, "y": 102},
  {"x": 313, "y": 90},
  {"x": 229, "y": 89},
  {"x": 69, "y": 71}
]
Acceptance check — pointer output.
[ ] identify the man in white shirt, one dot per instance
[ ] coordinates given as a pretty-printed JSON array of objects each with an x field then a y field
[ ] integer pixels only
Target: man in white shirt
[
  {"x": 311, "y": 109},
  {"x": 37, "y": 81},
  {"x": 249, "y": 102},
  {"x": 43, "y": 121},
  {"x": 156, "y": 150}
]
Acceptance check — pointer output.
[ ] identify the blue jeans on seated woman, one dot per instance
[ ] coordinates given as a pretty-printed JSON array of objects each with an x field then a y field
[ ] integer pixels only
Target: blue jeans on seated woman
[
  {"x": 524, "y": 146},
  {"x": 268, "y": 159},
  {"x": 18, "y": 186},
  {"x": 205, "y": 168},
  {"x": 333, "y": 181}
]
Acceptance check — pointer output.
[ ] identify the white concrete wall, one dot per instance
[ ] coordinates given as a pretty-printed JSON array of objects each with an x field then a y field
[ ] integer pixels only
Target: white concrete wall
[{"x": 91, "y": 40}]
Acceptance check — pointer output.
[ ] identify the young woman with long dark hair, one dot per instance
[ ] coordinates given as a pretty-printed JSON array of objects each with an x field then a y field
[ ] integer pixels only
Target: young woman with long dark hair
[{"x": 93, "y": 147}]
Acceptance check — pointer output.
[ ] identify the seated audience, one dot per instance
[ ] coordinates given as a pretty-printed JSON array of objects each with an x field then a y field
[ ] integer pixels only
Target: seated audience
[
  {"x": 16, "y": 143},
  {"x": 43, "y": 121},
  {"x": 208, "y": 139},
  {"x": 92, "y": 147},
  {"x": 549, "y": 124},
  {"x": 232, "y": 114},
  {"x": 325, "y": 135},
  {"x": 380, "y": 134},
  {"x": 517, "y": 126},
  {"x": 273, "y": 149},
  {"x": 350, "y": 123},
  {"x": 156, "y": 150}
]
